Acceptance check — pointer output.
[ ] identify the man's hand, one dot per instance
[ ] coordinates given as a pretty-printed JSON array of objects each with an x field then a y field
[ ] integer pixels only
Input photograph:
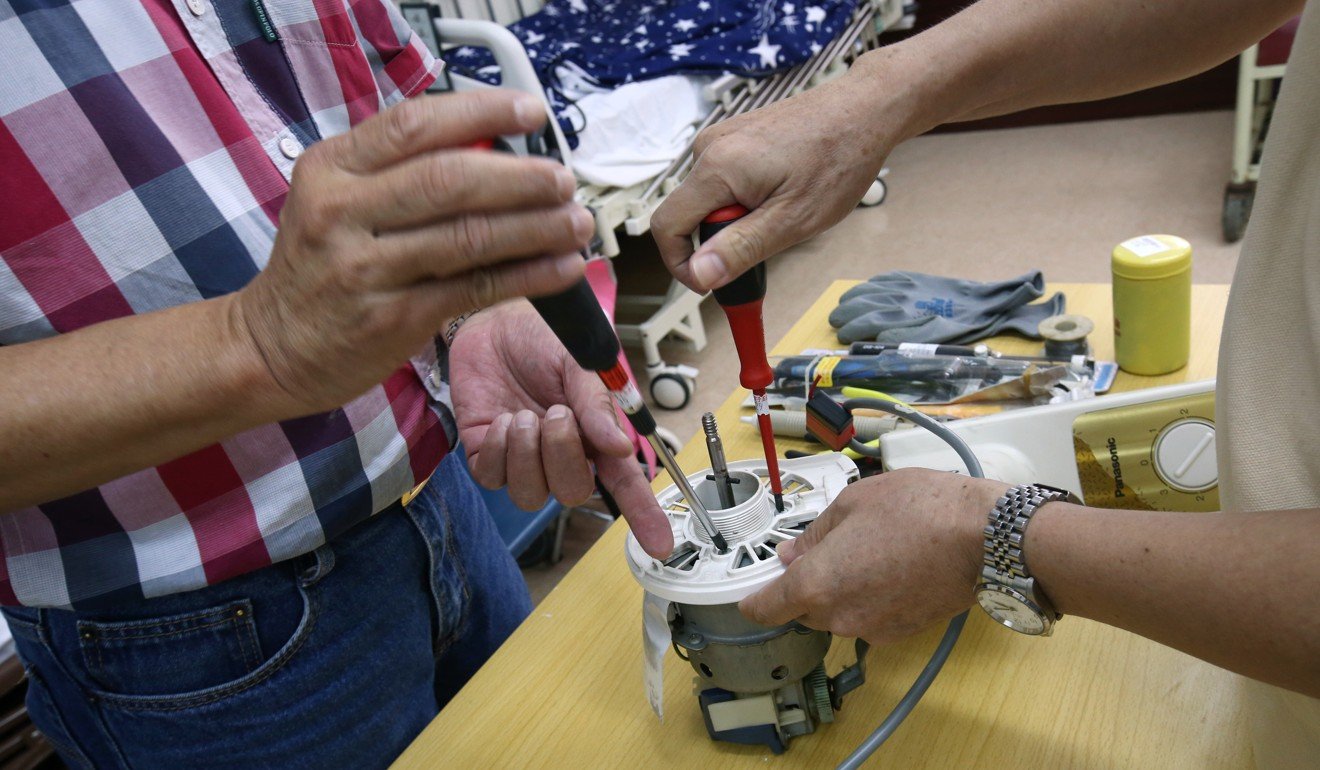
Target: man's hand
[
  {"x": 893, "y": 554},
  {"x": 394, "y": 227},
  {"x": 800, "y": 165},
  {"x": 531, "y": 418}
]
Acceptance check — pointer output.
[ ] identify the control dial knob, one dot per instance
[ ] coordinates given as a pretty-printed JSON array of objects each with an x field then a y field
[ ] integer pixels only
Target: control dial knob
[{"x": 1185, "y": 455}]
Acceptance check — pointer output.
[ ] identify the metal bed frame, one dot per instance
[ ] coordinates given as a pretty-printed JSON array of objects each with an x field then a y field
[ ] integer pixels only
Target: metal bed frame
[
  {"x": 1260, "y": 68},
  {"x": 675, "y": 313}
]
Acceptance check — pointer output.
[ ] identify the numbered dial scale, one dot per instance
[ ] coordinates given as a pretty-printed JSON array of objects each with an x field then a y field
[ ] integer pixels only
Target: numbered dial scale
[
  {"x": 1151, "y": 449},
  {"x": 1156, "y": 456}
]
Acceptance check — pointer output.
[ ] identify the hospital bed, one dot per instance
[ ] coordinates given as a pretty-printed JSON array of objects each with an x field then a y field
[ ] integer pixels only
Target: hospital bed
[{"x": 675, "y": 313}]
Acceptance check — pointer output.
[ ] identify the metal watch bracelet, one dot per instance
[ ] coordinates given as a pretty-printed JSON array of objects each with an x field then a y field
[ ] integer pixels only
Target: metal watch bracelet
[
  {"x": 456, "y": 323},
  {"x": 1005, "y": 534}
]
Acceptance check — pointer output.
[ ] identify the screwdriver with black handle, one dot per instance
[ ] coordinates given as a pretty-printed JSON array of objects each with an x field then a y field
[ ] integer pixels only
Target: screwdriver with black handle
[
  {"x": 741, "y": 300},
  {"x": 577, "y": 319}
]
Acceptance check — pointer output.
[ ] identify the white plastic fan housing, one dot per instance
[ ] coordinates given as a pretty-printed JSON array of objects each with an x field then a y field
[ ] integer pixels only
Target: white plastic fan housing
[{"x": 695, "y": 573}]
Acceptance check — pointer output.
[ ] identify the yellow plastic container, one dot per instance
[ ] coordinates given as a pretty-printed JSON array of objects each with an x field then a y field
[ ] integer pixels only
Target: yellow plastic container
[{"x": 1152, "y": 303}]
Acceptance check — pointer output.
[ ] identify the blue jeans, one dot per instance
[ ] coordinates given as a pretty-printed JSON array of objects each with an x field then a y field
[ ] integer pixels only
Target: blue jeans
[{"x": 335, "y": 659}]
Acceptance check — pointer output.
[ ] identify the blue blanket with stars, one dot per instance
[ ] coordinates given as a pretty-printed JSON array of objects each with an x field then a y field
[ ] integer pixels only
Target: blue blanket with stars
[{"x": 613, "y": 42}]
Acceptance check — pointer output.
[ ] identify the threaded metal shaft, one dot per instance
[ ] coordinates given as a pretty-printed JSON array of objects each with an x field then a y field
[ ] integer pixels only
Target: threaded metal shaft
[{"x": 719, "y": 467}]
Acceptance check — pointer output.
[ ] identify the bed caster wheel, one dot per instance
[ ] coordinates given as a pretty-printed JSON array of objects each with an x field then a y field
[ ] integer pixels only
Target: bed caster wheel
[
  {"x": 670, "y": 391},
  {"x": 1237, "y": 210},
  {"x": 876, "y": 194},
  {"x": 670, "y": 441},
  {"x": 668, "y": 438}
]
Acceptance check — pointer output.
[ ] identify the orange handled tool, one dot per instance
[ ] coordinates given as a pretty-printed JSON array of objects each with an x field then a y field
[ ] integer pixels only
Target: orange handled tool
[{"x": 741, "y": 300}]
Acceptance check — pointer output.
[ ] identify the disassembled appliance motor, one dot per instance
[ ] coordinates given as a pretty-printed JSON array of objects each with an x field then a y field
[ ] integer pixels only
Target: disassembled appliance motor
[
  {"x": 756, "y": 685},
  {"x": 760, "y": 685}
]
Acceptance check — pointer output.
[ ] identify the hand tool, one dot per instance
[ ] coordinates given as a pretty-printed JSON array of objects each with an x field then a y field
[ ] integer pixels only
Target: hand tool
[
  {"x": 719, "y": 467},
  {"x": 577, "y": 319},
  {"x": 741, "y": 300},
  {"x": 962, "y": 351}
]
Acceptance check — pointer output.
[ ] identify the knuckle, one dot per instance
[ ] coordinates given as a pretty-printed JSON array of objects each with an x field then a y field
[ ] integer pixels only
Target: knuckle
[
  {"x": 706, "y": 138},
  {"x": 316, "y": 215},
  {"x": 404, "y": 125},
  {"x": 713, "y": 161},
  {"x": 561, "y": 229},
  {"x": 545, "y": 179},
  {"x": 358, "y": 271},
  {"x": 746, "y": 244},
  {"x": 441, "y": 180},
  {"x": 381, "y": 321},
  {"x": 313, "y": 161},
  {"x": 472, "y": 239},
  {"x": 480, "y": 289},
  {"x": 476, "y": 106}
]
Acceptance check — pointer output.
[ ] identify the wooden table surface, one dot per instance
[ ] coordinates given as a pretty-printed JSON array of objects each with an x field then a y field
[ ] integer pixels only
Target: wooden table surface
[{"x": 566, "y": 690}]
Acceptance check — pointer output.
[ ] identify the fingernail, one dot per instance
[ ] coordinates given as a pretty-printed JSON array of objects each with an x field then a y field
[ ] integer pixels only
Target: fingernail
[
  {"x": 785, "y": 550},
  {"x": 529, "y": 110},
  {"x": 556, "y": 412},
  {"x": 524, "y": 419},
  {"x": 583, "y": 222},
  {"x": 503, "y": 421},
  {"x": 569, "y": 265},
  {"x": 709, "y": 268}
]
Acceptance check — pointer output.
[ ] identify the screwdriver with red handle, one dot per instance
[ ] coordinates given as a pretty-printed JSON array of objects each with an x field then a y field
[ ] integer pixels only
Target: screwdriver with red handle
[
  {"x": 741, "y": 300},
  {"x": 577, "y": 319}
]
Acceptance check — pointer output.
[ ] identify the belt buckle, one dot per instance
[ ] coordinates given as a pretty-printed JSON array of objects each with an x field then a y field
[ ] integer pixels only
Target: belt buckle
[{"x": 410, "y": 495}]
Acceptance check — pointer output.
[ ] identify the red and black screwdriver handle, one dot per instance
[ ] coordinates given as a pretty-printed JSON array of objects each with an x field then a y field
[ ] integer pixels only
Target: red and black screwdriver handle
[
  {"x": 577, "y": 319},
  {"x": 741, "y": 299}
]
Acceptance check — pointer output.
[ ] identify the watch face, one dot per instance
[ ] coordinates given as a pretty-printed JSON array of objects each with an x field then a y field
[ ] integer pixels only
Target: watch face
[{"x": 1005, "y": 607}]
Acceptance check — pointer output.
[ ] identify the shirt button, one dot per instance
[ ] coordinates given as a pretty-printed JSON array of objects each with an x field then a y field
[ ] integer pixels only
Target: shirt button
[
  {"x": 196, "y": 6},
  {"x": 288, "y": 145}
]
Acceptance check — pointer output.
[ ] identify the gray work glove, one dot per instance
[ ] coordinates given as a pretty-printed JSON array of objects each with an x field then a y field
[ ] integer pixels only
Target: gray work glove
[{"x": 915, "y": 307}]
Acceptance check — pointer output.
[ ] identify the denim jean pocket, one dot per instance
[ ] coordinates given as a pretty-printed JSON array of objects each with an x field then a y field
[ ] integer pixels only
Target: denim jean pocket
[{"x": 172, "y": 654}]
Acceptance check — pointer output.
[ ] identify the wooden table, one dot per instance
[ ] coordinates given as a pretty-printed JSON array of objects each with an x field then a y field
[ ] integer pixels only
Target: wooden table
[{"x": 566, "y": 690}]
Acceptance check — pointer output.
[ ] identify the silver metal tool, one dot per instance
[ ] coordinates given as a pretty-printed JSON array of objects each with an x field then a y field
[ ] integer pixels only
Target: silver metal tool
[
  {"x": 670, "y": 465},
  {"x": 719, "y": 467}
]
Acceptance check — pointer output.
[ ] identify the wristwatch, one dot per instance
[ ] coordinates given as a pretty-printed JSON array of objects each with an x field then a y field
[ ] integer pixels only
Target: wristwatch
[{"x": 1007, "y": 590}]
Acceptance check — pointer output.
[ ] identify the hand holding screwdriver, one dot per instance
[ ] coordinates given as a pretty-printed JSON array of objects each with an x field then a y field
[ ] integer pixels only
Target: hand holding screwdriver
[{"x": 578, "y": 321}]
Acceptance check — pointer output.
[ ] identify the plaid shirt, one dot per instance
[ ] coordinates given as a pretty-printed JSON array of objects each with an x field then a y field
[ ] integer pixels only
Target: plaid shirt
[{"x": 145, "y": 150}]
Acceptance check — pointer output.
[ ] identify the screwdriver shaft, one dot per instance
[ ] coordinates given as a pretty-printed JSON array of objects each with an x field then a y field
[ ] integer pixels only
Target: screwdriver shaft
[{"x": 671, "y": 466}]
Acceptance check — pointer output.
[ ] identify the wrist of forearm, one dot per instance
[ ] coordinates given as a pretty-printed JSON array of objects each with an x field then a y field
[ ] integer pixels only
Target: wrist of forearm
[
  {"x": 896, "y": 95},
  {"x": 99, "y": 403},
  {"x": 1233, "y": 589},
  {"x": 247, "y": 377}
]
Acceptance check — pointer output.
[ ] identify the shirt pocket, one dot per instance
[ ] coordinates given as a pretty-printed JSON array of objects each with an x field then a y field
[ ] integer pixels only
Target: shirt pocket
[
  {"x": 172, "y": 654},
  {"x": 327, "y": 22}
]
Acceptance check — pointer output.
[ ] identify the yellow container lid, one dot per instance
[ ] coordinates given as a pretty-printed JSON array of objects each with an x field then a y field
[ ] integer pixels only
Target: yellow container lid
[{"x": 1148, "y": 257}]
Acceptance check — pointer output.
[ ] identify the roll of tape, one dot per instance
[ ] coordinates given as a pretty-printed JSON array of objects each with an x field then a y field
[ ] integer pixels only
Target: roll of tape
[{"x": 1065, "y": 335}]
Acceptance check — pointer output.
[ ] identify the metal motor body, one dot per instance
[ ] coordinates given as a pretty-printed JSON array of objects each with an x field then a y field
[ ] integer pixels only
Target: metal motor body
[
  {"x": 759, "y": 685},
  {"x": 755, "y": 684}
]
